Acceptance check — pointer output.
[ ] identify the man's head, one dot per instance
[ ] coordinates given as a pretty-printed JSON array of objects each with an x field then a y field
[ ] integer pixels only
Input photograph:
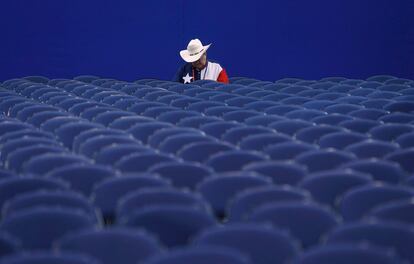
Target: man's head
[
  {"x": 200, "y": 63},
  {"x": 195, "y": 53}
]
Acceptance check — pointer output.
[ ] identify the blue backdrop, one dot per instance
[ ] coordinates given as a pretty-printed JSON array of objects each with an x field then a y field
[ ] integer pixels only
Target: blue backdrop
[{"x": 268, "y": 40}]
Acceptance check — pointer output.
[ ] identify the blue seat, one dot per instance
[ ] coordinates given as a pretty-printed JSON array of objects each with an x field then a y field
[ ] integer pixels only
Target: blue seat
[
  {"x": 329, "y": 96},
  {"x": 266, "y": 239},
  {"x": 54, "y": 123},
  {"x": 312, "y": 134},
  {"x": 219, "y": 111},
  {"x": 276, "y": 96},
  {"x": 159, "y": 135},
  {"x": 305, "y": 114},
  {"x": 240, "y": 115},
  {"x": 281, "y": 172},
  {"x": 260, "y": 105},
  {"x": 106, "y": 118},
  {"x": 340, "y": 140},
  {"x": 282, "y": 109},
  {"x": 86, "y": 78},
  {"x": 357, "y": 203},
  {"x": 383, "y": 95},
  {"x": 389, "y": 132},
  {"x": 200, "y": 255},
  {"x": 380, "y": 78},
  {"x": 88, "y": 134},
  {"x": 67, "y": 133},
  {"x": 47, "y": 257},
  {"x": 208, "y": 95},
  {"x": 380, "y": 170},
  {"x": 94, "y": 145},
  {"x": 201, "y": 106},
  {"x": 23, "y": 225},
  {"x": 197, "y": 121},
  {"x": 403, "y": 157},
  {"x": 288, "y": 150},
  {"x": 173, "y": 225},
  {"x": 368, "y": 113},
  {"x": 245, "y": 90},
  {"x": 92, "y": 113},
  {"x": 398, "y": 118},
  {"x": 174, "y": 143},
  {"x": 328, "y": 187},
  {"x": 389, "y": 235},
  {"x": 143, "y": 131},
  {"x": 126, "y": 122},
  {"x": 342, "y": 254},
  {"x": 16, "y": 108},
  {"x": 359, "y": 125},
  {"x": 8, "y": 245},
  {"x": 240, "y": 101},
  {"x": 141, "y": 107},
  {"x": 376, "y": 103},
  {"x": 260, "y": 141},
  {"x": 28, "y": 112},
  {"x": 52, "y": 199},
  {"x": 201, "y": 151},
  {"x": 184, "y": 102},
  {"x": 163, "y": 196},
  {"x": 17, "y": 158},
  {"x": 242, "y": 205},
  {"x": 219, "y": 128},
  {"x": 289, "y": 127},
  {"x": 317, "y": 104},
  {"x": 237, "y": 134},
  {"x": 219, "y": 190},
  {"x": 113, "y": 153},
  {"x": 333, "y": 79},
  {"x": 182, "y": 174},
  {"x": 395, "y": 211},
  {"x": 83, "y": 177},
  {"x": 262, "y": 120},
  {"x": 175, "y": 116},
  {"x": 78, "y": 109},
  {"x": 233, "y": 160},
  {"x": 342, "y": 88},
  {"x": 304, "y": 220},
  {"x": 68, "y": 103},
  {"x": 42, "y": 164},
  {"x": 107, "y": 193},
  {"x": 403, "y": 106},
  {"x": 294, "y": 89},
  {"x": 295, "y": 100},
  {"x": 406, "y": 140},
  {"x": 126, "y": 245},
  {"x": 9, "y": 126},
  {"x": 320, "y": 160},
  {"x": 194, "y": 91},
  {"x": 331, "y": 119},
  {"x": 141, "y": 162},
  {"x": 342, "y": 108}
]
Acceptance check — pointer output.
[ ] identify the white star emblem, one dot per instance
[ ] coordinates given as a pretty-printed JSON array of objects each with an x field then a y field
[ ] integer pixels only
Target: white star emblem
[{"x": 187, "y": 78}]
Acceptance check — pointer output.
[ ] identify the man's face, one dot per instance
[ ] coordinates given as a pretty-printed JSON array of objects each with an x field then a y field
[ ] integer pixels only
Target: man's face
[{"x": 201, "y": 63}]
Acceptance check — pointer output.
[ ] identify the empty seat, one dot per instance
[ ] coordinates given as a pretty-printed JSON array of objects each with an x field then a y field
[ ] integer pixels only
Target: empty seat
[
  {"x": 389, "y": 132},
  {"x": 389, "y": 235},
  {"x": 42, "y": 164},
  {"x": 8, "y": 245},
  {"x": 175, "y": 116},
  {"x": 404, "y": 106},
  {"x": 328, "y": 187},
  {"x": 18, "y": 143},
  {"x": 82, "y": 178},
  {"x": 113, "y": 153},
  {"x": 173, "y": 144},
  {"x": 51, "y": 125},
  {"x": 282, "y": 109},
  {"x": 312, "y": 134},
  {"x": 94, "y": 145},
  {"x": 108, "y": 117},
  {"x": 288, "y": 150},
  {"x": 163, "y": 196},
  {"x": 219, "y": 111},
  {"x": 197, "y": 121},
  {"x": 259, "y": 142},
  {"x": 342, "y": 108},
  {"x": 319, "y": 160},
  {"x": 398, "y": 117},
  {"x": 372, "y": 148},
  {"x": 140, "y": 162},
  {"x": 376, "y": 103},
  {"x": 262, "y": 120},
  {"x": 236, "y": 134},
  {"x": 27, "y": 224},
  {"x": 341, "y": 140},
  {"x": 246, "y": 201},
  {"x": 342, "y": 254},
  {"x": 107, "y": 193},
  {"x": 182, "y": 174},
  {"x": 200, "y": 255},
  {"x": 359, "y": 125},
  {"x": 143, "y": 131},
  {"x": 406, "y": 140},
  {"x": 403, "y": 157},
  {"x": 395, "y": 211},
  {"x": 368, "y": 113},
  {"x": 380, "y": 170},
  {"x": 281, "y": 172},
  {"x": 173, "y": 225},
  {"x": 126, "y": 122},
  {"x": 360, "y": 200},
  {"x": 305, "y": 221},
  {"x": 159, "y": 135},
  {"x": 239, "y": 237},
  {"x": 305, "y": 114},
  {"x": 290, "y": 127},
  {"x": 240, "y": 115},
  {"x": 233, "y": 160},
  {"x": 332, "y": 119},
  {"x": 49, "y": 257},
  {"x": 67, "y": 133},
  {"x": 217, "y": 129},
  {"x": 221, "y": 189},
  {"x": 201, "y": 151},
  {"x": 128, "y": 246},
  {"x": 89, "y": 134}
]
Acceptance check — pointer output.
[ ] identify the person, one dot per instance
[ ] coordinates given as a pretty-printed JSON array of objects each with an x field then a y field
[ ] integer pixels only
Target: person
[{"x": 197, "y": 66}]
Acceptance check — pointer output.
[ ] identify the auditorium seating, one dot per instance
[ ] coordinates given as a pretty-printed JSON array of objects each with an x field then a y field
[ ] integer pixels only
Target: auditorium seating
[{"x": 99, "y": 170}]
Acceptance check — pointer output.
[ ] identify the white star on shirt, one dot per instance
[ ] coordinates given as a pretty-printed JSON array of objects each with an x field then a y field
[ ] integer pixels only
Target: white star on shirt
[{"x": 187, "y": 78}]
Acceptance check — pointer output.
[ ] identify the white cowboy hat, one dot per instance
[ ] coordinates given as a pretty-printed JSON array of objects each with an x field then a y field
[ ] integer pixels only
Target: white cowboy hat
[{"x": 194, "y": 51}]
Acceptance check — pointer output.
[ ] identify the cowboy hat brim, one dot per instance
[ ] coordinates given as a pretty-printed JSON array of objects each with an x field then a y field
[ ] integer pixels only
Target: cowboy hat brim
[{"x": 185, "y": 55}]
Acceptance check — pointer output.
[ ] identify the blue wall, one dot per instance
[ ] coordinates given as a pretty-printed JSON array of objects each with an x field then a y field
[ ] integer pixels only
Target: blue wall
[{"x": 133, "y": 39}]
